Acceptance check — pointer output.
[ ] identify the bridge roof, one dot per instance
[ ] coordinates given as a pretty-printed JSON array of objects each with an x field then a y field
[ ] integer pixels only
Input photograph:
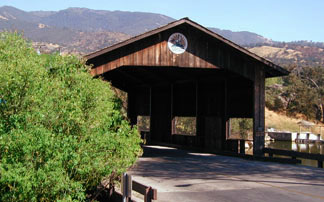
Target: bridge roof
[{"x": 96, "y": 58}]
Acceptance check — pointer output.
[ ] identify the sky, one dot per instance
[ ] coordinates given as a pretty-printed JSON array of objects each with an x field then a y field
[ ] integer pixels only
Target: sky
[{"x": 279, "y": 20}]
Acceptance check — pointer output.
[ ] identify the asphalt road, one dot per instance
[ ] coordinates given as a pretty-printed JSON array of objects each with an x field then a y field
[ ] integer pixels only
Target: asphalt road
[{"x": 182, "y": 176}]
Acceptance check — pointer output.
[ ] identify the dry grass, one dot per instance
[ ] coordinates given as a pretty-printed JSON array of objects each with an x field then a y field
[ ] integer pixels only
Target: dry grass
[
  {"x": 274, "y": 52},
  {"x": 282, "y": 122}
]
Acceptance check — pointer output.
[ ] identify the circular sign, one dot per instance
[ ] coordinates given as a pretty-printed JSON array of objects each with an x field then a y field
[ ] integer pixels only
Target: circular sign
[{"x": 177, "y": 43}]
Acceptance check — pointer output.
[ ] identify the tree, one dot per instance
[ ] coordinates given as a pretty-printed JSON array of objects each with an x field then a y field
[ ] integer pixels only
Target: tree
[
  {"x": 314, "y": 79},
  {"x": 302, "y": 93},
  {"x": 61, "y": 131}
]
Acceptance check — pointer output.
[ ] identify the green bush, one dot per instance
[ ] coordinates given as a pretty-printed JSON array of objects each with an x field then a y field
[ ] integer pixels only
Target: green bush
[
  {"x": 241, "y": 127},
  {"x": 61, "y": 131}
]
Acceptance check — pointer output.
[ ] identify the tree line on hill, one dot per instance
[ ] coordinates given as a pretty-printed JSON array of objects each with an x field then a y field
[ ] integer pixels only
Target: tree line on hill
[{"x": 302, "y": 92}]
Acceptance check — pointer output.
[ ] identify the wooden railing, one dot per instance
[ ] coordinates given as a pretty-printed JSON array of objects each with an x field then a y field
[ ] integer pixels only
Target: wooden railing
[
  {"x": 236, "y": 145},
  {"x": 148, "y": 192},
  {"x": 127, "y": 185},
  {"x": 294, "y": 154}
]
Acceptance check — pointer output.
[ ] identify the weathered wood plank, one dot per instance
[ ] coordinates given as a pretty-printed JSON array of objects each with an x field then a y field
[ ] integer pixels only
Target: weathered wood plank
[
  {"x": 148, "y": 192},
  {"x": 258, "y": 117},
  {"x": 163, "y": 53},
  {"x": 158, "y": 54},
  {"x": 296, "y": 154}
]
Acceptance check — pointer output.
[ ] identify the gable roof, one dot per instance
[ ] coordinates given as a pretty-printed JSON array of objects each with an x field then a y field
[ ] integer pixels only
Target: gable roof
[{"x": 271, "y": 68}]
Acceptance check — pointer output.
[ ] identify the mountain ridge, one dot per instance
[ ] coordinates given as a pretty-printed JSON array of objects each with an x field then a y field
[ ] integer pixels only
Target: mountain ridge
[
  {"x": 83, "y": 30},
  {"x": 88, "y": 20}
]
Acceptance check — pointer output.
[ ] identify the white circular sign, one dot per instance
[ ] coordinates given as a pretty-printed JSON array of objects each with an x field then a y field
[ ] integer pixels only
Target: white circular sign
[{"x": 177, "y": 43}]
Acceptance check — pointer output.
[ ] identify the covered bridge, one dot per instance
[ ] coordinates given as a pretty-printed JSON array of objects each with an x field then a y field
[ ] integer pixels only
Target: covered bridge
[{"x": 185, "y": 70}]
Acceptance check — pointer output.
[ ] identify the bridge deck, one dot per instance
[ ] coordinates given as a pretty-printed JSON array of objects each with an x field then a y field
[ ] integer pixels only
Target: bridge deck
[{"x": 180, "y": 175}]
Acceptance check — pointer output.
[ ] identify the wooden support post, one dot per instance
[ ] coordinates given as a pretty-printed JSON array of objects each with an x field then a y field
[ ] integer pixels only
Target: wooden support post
[
  {"x": 225, "y": 121},
  {"x": 151, "y": 115},
  {"x": 173, "y": 126},
  {"x": 200, "y": 141},
  {"x": 242, "y": 146},
  {"x": 259, "y": 108},
  {"x": 131, "y": 108},
  {"x": 320, "y": 164},
  {"x": 126, "y": 182},
  {"x": 160, "y": 105}
]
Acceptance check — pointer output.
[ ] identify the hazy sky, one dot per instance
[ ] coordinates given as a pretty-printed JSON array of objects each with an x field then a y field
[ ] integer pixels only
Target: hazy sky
[{"x": 280, "y": 20}]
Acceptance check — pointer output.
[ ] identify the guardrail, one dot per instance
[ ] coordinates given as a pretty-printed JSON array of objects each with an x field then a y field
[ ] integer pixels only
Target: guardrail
[
  {"x": 294, "y": 154},
  {"x": 148, "y": 192},
  {"x": 128, "y": 185}
]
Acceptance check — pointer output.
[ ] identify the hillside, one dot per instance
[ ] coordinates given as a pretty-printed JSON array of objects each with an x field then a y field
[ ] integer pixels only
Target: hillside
[
  {"x": 291, "y": 53},
  {"x": 74, "y": 29},
  {"x": 132, "y": 23},
  {"x": 242, "y": 38}
]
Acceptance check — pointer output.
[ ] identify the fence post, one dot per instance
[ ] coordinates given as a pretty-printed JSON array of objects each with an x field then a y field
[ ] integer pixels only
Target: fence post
[
  {"x": 147, "y": 197},
  {"x": 126, "y": 187}
]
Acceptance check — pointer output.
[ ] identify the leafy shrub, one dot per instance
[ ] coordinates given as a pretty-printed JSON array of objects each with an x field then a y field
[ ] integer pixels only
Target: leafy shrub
[{"x": 61, "y": 131}]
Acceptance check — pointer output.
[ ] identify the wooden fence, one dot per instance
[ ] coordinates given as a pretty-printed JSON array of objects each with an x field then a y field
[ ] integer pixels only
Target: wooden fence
[
  {"x": 128, "y": 185},
  {"x": 148, "y": 192},
  {"x": 294, "y": 154}
]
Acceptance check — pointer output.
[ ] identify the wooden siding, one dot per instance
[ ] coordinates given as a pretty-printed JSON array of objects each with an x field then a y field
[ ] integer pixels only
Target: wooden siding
[
  {"x": 156, "y": 55},
  {"x": 203, "y": 51}
]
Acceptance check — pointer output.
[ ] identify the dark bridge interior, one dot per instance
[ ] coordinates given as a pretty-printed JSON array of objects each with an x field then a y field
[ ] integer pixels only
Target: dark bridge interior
[{"x": 213, "y": 80}]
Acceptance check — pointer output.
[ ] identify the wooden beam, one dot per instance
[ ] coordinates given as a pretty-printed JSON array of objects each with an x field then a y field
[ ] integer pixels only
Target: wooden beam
[
  {"x": 173, "y": 126},
  {"x": 151, "y": 117},
  {"x": 131, "y": 77},
  {"x": 258, "y": 115},
  {"x": 225, "y": 128},
  {"x": 200, "y": 119},
  {"x": 151, "y": 72},
  {"x": 131, "y": 108}
]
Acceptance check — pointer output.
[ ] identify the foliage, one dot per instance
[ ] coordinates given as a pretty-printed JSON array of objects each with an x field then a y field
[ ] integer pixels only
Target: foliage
[
  {"x": 241, "y": 127},
  {"x": 143, "y": 123},
  {"x": 300, "y": 97},
  {"x": 185, "y": 125},
  {"x": 273, "y": 92},
  {"x": 302, "y": 92},
  {"x": 61, "y": 131}
]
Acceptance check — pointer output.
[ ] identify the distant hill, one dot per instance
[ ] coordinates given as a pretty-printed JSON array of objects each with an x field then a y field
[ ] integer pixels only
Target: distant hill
[
  {"x": 82, "y": 30},
  {"x": 132, "y": 23},
  {"x": 74, "y": 29},
  {"x": 298, "y": 53},
  {"x": 242, "y": 38}
]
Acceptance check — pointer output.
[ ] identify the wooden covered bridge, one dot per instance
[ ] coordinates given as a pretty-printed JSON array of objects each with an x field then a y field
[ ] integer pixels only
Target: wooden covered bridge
[{"x": 185, "y": 70}]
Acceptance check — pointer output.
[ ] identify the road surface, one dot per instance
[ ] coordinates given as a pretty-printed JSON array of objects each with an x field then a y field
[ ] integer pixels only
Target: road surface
[{"x": 185, "y": 176}]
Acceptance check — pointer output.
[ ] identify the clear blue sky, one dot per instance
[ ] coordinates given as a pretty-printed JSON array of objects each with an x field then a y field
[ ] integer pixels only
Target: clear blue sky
[{"x": 281, "y": 20}]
